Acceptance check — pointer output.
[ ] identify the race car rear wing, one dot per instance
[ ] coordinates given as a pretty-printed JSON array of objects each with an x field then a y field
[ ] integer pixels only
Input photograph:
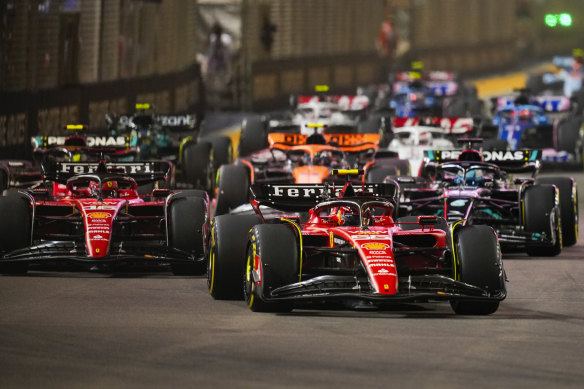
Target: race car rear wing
[
  {"x": 172, "y": 122},
  {"x": 141, "y": 172},
  {"x": 549, "y": 103},
  {"x": 345, "y": 102},
  {"x": 91, "y": 141},
  {"x": 302, "y": 197},
  {"x": 449, "y": 125},
  {"x": 518, "y": 160},
  {"x": 341, "y": 140},
  {"x": 438, "y": 88}
]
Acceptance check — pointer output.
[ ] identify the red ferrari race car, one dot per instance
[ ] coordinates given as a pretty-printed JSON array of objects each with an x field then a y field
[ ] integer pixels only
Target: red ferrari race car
[
  {"x": 342, "y": 243},
  {"x": 91, "y": 214}
]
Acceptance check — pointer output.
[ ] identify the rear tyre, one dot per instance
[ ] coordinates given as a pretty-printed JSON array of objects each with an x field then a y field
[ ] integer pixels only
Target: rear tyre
[
  {"x": 542, "y": 216},
  {"x": 232, "y": 188},
  {"x": 253, "y": 136},
  {"x": 457, "y": 107},
  {"x": 229, "y": 236},
  {"x": 568, "y": 206},
  {"x": 534, "y": 83},
  {"x": 379, "y": 173},
  {"x": 479, "y": 264},
  {"x": 579, "y": 98},
  {"x": 401, "y": 165},
  {"x": 198, "y": 166},
  {"x": 186, "y": 232},
  {"x": 222, "y": 150},
  {"x": 570, "y": 140},
  {"x": 495, "y": 144},
  {"x": 272, "y": 254},
  {"x": 15, "y": 230}
]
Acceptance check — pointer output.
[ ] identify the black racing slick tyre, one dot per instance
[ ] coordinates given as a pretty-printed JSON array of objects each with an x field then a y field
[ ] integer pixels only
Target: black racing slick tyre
[
  {"x": 232, "y": 188},
  {"x": 457, "y": 107},
  {"x": 369, "y": 126},
  {"x": 402, "y": 165},
  {"x": 272, "y": 262},
  {"x": 222, "y": 150},
  {"x": 541, "y": 215},
  {"x": 198, "y": 165},
  {"x": 568, "y": 206},
  {"x": 377, "y": 174},
  {"x": 186, "y": 231},
  {"x": 192, "y": 193},
  {"x": 229, "y": 237},
  {"x": 534, "y": 83},
  {"x": 15, "y": 230},
  {"x": 376, "y": 124},
  {"x": 478, "y": 262},
  {"x": 253, "y": 136},
  {"x": 569, "y": 138},
  {"x": 495, "y": 144}
]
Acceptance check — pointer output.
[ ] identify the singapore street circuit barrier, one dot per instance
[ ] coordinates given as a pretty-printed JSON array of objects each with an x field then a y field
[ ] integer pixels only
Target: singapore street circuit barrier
[{"x": 13, "y": 129}]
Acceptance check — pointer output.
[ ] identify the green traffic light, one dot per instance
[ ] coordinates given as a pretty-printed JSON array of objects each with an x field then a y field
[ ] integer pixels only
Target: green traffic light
[
  {"x": 551, "y": 20},
  {"x": 554, "y": 20},
  {"x": 565, "y": 20}
]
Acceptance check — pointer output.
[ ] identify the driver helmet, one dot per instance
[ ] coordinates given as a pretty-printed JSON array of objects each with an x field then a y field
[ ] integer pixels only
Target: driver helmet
[
  {"x": 368, "y": 217},
  {"x": 346, "y": 217},
  {"x": 524, "y": 115},
  {"x": 109, "y": 188},
  {"x": 425, "y": 138}
]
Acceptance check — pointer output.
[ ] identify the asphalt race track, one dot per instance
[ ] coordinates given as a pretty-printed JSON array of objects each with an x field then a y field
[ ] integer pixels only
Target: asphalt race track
[{"x": 152, "y": 329}]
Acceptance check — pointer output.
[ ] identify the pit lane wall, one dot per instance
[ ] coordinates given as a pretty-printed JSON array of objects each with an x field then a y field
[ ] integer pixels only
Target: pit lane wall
[{"x": 74, "y": 61}]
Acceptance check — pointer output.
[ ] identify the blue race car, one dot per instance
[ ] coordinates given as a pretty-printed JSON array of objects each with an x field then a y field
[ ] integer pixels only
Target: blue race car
[
  {"x": 415, "y": 99},
  {"x": 539, "y": 122}
]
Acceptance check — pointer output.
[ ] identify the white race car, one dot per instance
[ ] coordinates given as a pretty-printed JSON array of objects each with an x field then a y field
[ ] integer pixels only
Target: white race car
[{"x": 413, "y": 136}]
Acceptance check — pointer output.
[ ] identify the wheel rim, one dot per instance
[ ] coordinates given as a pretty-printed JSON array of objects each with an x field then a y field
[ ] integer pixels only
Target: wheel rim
[
  {"x": 575, "y": 190},
  {"x": 209, "y": 177},
  {"x": 211, "y": 263},
  {"x": 249, "y": 286}
]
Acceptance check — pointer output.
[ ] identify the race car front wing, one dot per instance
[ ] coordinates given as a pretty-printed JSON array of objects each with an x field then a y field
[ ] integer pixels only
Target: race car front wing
[
  {"x": 120, "y": 252},
  {"x": 413, "y": 288}
]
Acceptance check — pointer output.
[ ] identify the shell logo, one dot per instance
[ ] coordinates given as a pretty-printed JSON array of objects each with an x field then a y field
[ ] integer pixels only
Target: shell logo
[
  {"x": 98, "y": 215},
  {"x": 375, "y": 246}
]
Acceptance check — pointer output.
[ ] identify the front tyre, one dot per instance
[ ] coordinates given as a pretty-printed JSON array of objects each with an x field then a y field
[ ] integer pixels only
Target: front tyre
[
  {"x": 15, "y": 230},
  {"x": 272, "y": 262},
  {"x": 542, "y": 216},
  {"x": 253, "y": 136},
  {"x": 186, "y": 232},
  {"x": 478, "y": 263},
  {"x": 232, "y": 188},
  {"x": 222, "y": 150},
  {"x": 198, "y": 165},
  {"x": 229, "y": 236},
  {"x": 568, "y": 206}
]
